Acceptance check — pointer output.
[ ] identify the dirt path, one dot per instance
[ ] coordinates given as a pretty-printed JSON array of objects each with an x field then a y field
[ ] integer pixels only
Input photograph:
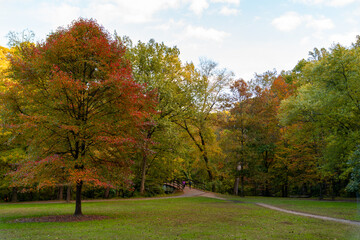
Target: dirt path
[
  {"x": 339, "y": 220},
  {"x": 195, "y": 192}
]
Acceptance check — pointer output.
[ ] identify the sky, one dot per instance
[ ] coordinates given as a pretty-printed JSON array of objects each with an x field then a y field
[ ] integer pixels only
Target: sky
[{"x": 244, "y": 36}]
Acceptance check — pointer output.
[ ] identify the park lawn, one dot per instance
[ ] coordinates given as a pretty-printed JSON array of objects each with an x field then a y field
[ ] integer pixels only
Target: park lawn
[
  {"x": 349, "y": 210},
  {"x": 178, "y": 218}
]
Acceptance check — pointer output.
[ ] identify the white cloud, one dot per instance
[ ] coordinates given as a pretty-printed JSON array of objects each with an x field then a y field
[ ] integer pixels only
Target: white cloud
[
  {"x": 228, "y": 11},
  {"x": 183, "y": 31},
  {"x": 128, "y": 11},
  {"x": 344, "y": 39},
  {"x": 56, "y": 15},
  {"x": 171, "y": 24},
  {"x": 109, "y": 11},
  {"x": 292, "y": 20},
  {"x": 339, "y": 3},
  {"x": 332, "y": 3},
  {"x": 236, "y": 2},
  {"x": 319, "y": 24},
  {"x": 198, "y": 6},
  {"x": 309, "y": 2},
  {"x": 287, "y": 22},
  {"x": 305, "y": 40},
  {"x": 205, "y": 33},
  {"x": 123, "y": 11}
]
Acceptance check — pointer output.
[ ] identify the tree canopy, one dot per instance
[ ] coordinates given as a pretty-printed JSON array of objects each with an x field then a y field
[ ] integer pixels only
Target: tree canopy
[
  {"x": 73, "y": 99},
  {"x": 86, "y": 107}
]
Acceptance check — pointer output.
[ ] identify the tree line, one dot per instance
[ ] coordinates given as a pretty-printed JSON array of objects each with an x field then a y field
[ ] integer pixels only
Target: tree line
[{"x": 98, "y": 115}]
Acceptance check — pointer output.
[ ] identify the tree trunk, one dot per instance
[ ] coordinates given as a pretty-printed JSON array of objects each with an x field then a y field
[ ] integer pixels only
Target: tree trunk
[
  {"x": 14, "y": 195},
  {"x": 286, "y": 190},
  {"x": 211, "y": 177},
  {"x": 68, "y": 193},
  {"x": 242, "y": 193},
  {"x": 267, "y": 190},
  {"x": 213, "y": 187},
  {"x": 61, "y": 193},
  {"x": 143, "y": 175},
  {"x": 236, "y": 186},
  {"x": 79, "y": 184},
  {"x": 304, "y": 189},
  {"x": 107, "y": 192},
  {"x": 284, "y": 187},
  {"x": 358, "y": 202},
  {"x": 321, "y": 192},
  {"x": 333, "y": 193}
]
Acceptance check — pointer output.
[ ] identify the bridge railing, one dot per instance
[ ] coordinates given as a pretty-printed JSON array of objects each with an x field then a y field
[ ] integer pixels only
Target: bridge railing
[
  {"x": 175, "y": 184},
  {"x": 178, "y": 184}
]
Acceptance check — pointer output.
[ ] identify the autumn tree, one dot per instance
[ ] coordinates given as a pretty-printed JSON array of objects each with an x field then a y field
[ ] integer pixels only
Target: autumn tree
[
  {"x": 207, "y": 86},
  {"x": 159, "y": 68},
  {"x": 238, "y": 127},
  {"x": 252, "y": 132},
  {"x": 11, "y": 151},
  {"x": 74, "y": 100}
]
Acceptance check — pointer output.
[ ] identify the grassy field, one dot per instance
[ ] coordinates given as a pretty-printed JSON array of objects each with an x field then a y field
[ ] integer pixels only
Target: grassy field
[
  {"x": 179, "y": 218},
  {"x": 338, "y": 209}
]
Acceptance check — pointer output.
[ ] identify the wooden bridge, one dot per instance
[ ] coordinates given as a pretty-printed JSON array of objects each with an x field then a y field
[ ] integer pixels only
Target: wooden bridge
[
  {"x": 177, "y": 185},
  {"x": 173, "y": 186}
]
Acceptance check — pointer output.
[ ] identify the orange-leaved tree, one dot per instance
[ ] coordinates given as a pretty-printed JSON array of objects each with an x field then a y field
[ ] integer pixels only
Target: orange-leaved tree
[{"x": 73, "y": 99}]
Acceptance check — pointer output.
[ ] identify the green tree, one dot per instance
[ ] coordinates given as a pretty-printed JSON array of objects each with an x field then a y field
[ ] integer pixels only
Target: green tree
[
  {"x": 159, "y": 68},
  {"x": 328, "y": 98},
  {"x": 207, "y": 86},
  {"x": 11, "y": 152}
]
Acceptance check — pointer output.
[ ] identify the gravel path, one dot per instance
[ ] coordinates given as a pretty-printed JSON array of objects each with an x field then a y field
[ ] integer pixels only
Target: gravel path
[
  {"x": 339, "y": 220},
  {"x": 195, "y": 192}
]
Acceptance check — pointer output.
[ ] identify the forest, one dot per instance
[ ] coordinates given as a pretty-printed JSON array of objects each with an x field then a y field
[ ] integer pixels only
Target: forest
[{"x": 90, "y": 114}]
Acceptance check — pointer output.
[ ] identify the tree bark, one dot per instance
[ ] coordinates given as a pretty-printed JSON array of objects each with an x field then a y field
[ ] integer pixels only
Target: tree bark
[
  {"x": 284, "y": 188},
  {"x": 143, "y": 175},
  {"x": 14, "y": 195},
  {"x": 255, "y": 189},
  {"x": 202, "y": 148},
  {"x": 242, "y": 193},
  {"x": 236, "y": 186},
  {"x": 206, "y": 159},
  {"x": 358, "y": 202},
  {"x": 321, "y": 192},
  {"x": 61, "y": 193},
  {"x": 78, "y": 211},
  {"x": 68, "y": 193},
  {"x": 333, "y": 192},
  {"x": 107, "y": 192},
  {"x": 267, "y": 190}
]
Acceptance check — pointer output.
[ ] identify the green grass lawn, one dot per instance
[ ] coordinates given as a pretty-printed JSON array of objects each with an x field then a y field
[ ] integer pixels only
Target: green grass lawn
[
  {"x": 179, "y": 218},
  {"x": 337, "y": 209}
]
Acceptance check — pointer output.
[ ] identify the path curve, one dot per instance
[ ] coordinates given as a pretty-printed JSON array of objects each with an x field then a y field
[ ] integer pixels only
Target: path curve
[
  {"x": 339, "y": 220},
  {"x": 196, "y": 192}
]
